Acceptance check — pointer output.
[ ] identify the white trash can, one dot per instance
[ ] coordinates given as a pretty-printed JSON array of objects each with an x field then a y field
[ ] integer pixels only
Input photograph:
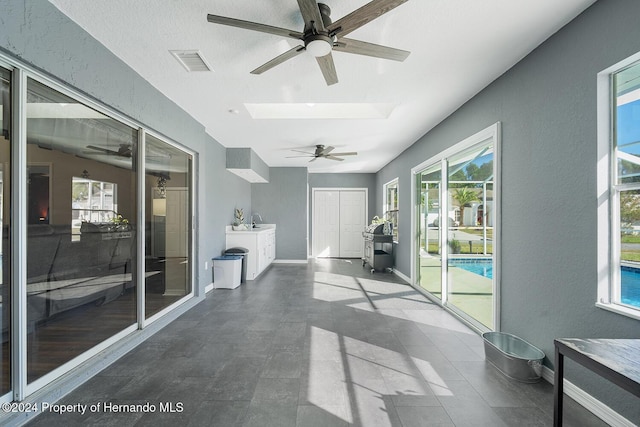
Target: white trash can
[{"x": 227, "y": 270}]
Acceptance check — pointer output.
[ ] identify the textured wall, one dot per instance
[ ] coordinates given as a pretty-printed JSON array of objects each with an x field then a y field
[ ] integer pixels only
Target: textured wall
[
  {"x": 547, "y": 106},
  {"x": 283, "y": 201}
]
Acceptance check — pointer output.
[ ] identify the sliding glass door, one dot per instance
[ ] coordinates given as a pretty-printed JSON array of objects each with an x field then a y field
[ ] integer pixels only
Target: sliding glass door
[
  {"x": 456, "y": 217},
  {"x": 470, "y": 237},
  {"x": 430, "y": 226},
  {"x": 168, "y": 244},
  {"x": 5, "y": 223},
  {"x": 81, "y": 223}
]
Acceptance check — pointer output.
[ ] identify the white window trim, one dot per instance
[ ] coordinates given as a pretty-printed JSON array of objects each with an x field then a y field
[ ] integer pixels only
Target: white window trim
[
  {"x": 608, "y": 235},
  {"x": 395, "y": 181}
]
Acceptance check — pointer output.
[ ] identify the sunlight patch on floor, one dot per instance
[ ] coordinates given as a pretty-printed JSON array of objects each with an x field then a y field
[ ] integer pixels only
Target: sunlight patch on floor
[{"x": 364, "y": 378}]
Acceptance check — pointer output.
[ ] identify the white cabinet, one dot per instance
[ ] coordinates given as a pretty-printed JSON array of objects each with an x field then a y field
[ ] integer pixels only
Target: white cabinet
[
  {"x": 261, "y": 244},
  {"x": 266, "y": 248}
]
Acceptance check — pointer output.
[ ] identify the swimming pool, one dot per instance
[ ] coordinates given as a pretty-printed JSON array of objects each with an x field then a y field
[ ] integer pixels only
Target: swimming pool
[
  {"x": 630, "y": 286},
  {"x": 630, "y": 277},
  {"x": 480, "y": 266}
]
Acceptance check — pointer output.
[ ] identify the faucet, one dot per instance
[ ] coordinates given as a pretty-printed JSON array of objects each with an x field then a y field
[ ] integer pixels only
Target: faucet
[{"x": 253, "y": 223}]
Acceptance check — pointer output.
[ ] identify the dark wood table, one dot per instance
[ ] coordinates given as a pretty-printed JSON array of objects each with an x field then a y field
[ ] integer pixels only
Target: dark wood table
[{"x": 617, "y": 360}]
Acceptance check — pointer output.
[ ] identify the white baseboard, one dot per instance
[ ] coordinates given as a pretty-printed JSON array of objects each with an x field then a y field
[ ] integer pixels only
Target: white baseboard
[
  {"x": 290, "y": 261},
  {"x": 402, "y": 276},
  {"x": 590, "y": 403},
  {"x": 208, "y": 288}
]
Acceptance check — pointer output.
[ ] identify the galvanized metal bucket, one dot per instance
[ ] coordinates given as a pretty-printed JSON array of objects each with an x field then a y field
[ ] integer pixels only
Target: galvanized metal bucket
[{"x": 513, "y": 356}]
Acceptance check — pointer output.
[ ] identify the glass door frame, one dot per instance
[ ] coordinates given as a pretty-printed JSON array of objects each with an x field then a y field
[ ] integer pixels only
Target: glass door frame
[
  {"x": 491, "y": 133},
  {"x": 20, "y": 73}
]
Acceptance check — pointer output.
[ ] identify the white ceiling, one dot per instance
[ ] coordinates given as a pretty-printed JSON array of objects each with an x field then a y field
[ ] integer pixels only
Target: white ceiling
[{"x": 457, "y": 48}]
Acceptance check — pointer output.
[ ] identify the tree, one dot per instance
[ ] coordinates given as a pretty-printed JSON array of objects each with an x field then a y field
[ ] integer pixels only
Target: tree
[
  {"x": 629, "y": 208},
  {"x": 456, "y": 178},
  {"x": 464, "y": 196},
  {"x": 481, "y": 173}
]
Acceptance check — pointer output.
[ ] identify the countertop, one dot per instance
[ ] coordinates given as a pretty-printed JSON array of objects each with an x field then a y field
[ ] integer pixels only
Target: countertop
[{"x": 260, "y": 228}]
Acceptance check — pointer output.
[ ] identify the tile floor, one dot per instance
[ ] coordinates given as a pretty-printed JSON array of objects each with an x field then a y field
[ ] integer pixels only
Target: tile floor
[{"x": 322, "y": 344}]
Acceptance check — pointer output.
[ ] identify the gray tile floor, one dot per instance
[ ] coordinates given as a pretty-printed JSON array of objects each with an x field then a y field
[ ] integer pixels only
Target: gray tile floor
[{"x": 321, "y": 344}]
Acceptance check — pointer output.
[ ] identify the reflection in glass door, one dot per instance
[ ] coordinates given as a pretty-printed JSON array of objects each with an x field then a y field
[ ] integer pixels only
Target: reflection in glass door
[
  {"x": 168, "y": 245},
  {"x": 80, "y": 287},
  {"x": 430, "y": 231}
]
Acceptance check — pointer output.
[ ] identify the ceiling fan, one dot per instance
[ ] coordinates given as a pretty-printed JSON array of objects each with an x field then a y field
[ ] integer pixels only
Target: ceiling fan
[
  {"x": 320, "y": 35},
  {"x": 123, "y": 151},
  {"x": 325, "y": 152}
]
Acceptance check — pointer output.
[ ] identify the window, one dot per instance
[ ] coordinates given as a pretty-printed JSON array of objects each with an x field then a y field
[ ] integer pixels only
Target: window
[
  {"x": 619, "y": 128},
  {"x": 390, "y": 208},
  {"x": 92, "y": 202}
]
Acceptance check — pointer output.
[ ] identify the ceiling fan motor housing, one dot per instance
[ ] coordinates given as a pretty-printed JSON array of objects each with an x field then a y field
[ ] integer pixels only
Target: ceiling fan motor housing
[
  {"x": 319, "y": 43},
  {"x": 325, "y": 12}
]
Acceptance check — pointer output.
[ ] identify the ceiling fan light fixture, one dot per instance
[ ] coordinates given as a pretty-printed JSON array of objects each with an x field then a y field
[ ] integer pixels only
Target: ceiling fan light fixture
[{"x": 319, "y": 47}]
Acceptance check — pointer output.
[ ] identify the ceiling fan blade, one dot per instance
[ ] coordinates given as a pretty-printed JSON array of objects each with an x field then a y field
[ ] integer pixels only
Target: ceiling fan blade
[
  {"x": 326, "y": 150},
  {"x": 328, "y": 69},
  {"x": 333, "y": 158},
  {"x": 369, "y": 49},
  {"x": 300, "y": 151},
  {"x": 363, "y": 15},
  {"x": 248, "y": 25},
  {"x": 103, "y": 150},
  {"x": 314, "y": 159},
  {"x": 279, "y": 59},
  {"x": 296, "y": 157},
  {"x": 311, "y": 15},
  {"x": 350, "y": 153}
]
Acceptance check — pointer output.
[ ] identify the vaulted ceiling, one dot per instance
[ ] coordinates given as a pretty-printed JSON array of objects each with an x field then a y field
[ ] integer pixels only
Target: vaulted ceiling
[{"x": 378, "y": 108}]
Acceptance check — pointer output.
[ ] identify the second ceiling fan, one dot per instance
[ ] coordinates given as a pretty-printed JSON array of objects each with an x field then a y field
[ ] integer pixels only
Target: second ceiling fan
[
  {"x": 320, "y": 35},
  {"x": 324, "y": 152}
]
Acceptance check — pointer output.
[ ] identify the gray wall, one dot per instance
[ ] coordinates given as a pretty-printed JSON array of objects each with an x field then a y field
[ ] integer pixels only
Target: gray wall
[
  {"x": 345, "y": 180},
  {"x": 283, "y": 201},
  {"x": 547, "y": 106},
  {"x": 35, "y": 32}
]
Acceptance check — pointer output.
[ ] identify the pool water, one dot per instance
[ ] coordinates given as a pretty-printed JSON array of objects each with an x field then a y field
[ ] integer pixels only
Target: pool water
[
  {"x": 630, "y": 277},
  {"x": 483, "y": 267},
  {"x": 630, "y": 284}
]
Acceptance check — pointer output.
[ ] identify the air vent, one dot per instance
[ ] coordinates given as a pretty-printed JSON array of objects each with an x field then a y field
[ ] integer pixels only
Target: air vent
[{"x": 191, "y": 60}]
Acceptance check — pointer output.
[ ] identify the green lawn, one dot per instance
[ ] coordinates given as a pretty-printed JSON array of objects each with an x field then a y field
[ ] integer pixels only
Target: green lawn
[
  {"x": 630, "y": 256},
  {"x": 630, "y": 238},
  {"x": 477, "y": 231},
  {"x": 476, "y": 248}
]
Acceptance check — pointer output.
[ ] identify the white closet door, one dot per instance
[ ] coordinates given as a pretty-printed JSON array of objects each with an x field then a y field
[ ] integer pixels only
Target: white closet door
[
  {"x": 352, "y": 223},
  {"x": 339, "y": 218},
  {"x": 326, "y": 226}
]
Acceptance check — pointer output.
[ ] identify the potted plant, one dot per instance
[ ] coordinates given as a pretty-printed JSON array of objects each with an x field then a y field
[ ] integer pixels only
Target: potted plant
[
  {"x": 238, "y": 220},
  {"x": 120, "y": 223}
]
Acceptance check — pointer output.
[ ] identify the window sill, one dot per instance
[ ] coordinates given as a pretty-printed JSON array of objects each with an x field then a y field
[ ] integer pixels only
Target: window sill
[{"x": 620, "y": 309}]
